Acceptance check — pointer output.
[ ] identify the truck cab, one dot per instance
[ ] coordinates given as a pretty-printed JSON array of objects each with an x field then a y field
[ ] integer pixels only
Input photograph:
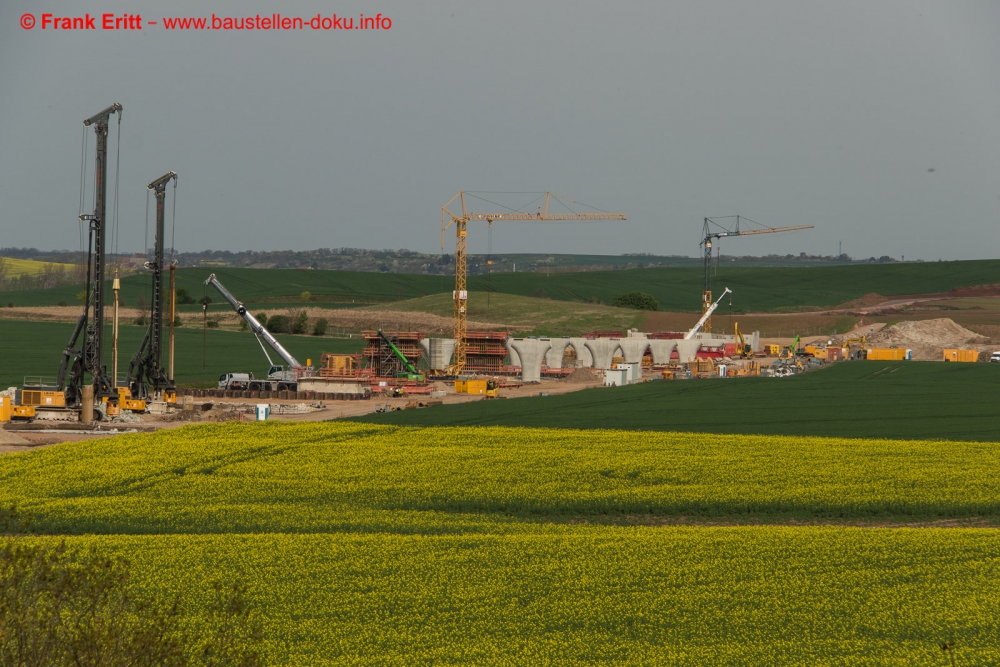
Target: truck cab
[
  {"x": 237, "y": 381},
  {"x": 995, "y": 358}
]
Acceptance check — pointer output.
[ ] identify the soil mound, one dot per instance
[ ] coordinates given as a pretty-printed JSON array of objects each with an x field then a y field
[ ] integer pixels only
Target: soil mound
[
  {"x": 581, "y": 375},
  {"x": 927, "y": 338}
]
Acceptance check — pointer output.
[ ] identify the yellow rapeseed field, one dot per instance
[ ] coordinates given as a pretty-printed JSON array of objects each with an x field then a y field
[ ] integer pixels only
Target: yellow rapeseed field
[{"x": 366, "y": 544}]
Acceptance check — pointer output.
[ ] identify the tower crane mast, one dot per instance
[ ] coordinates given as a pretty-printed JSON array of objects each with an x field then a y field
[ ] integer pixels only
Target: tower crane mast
[
  {"x": 708, "y": 234},
  {"x": 461, "y": 220}
]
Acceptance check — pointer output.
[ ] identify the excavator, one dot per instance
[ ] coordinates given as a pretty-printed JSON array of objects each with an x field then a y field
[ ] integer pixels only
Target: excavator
[{"x": 743, "y": 348}]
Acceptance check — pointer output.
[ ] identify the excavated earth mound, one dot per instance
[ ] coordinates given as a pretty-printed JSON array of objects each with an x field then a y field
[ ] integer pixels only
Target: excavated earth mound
[{"x": 928, "y": 338}]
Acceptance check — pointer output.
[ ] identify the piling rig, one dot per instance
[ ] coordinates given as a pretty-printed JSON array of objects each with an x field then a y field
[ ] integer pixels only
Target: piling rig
[
  {"x": 87, "y": 358},
  {"x": 145, "y": 370}
]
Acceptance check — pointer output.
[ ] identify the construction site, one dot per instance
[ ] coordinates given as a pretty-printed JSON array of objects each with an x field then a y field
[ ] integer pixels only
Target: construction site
[{"x": 91, "y": 392}]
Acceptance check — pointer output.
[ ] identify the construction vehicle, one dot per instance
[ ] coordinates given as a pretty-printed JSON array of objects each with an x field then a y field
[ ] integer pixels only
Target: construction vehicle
[
  {"x": 461, "y": 294},
  {"x": 791, "y": 350},
  {"x": 84, "y": 360},
  {"x": 411, "y": 372},
  {"x": 743, "y": 348},
  {"x": 279, "y": 377},
  {"x": 708, "y": 234},
  {"x": 706, "y": 316},
  {"x": 146, "y": 379}
]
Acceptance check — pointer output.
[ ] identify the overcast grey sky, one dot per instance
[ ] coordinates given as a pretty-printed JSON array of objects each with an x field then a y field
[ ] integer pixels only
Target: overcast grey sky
[{"x": 875, "y": 121}]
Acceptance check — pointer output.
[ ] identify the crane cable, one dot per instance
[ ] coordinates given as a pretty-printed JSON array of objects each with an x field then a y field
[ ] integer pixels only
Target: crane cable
[{"x": 145, "y": 240}]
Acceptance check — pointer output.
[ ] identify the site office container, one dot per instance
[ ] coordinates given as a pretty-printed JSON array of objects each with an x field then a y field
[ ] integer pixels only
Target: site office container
[
  {"x": 888, "y": 354},
  {"x": 470, "y": 387},
  {"x": 4, "y": 408},
  {"x": 961, "y": 355}
]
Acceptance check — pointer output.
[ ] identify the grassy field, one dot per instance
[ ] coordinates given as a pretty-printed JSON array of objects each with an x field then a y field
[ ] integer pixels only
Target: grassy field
[
  {"x": 361, "y": 544},
  {"x": 756, "y": 289},
  {"x": 35, "y": 348},
  {"x": 530, "y": 315},
  {"x": 855, "y": 399}
]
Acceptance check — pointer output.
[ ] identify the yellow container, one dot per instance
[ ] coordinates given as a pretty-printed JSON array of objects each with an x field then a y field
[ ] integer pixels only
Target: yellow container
[
  {"x": 4, "y": 408},
  {"x": 961, "y": 355},
  {"x": 886, "y": 354},
  {"x": 477, "y": 387},
  {"x": 773, "y": 350}
]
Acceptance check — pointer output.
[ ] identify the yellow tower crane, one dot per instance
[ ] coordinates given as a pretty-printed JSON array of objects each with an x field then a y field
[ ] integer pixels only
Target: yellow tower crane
[
  {"x": 719, "y": 231},
  {"x": 461, "y": 221}
]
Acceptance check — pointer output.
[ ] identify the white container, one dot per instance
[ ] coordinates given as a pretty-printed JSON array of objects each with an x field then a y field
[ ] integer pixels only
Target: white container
[
  {"x": 616, "y": 377},
  {"x": 263, "y": 411}
]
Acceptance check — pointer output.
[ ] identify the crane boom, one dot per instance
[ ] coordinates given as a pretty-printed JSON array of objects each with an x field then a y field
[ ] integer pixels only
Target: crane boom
[
  {"x": 255, "y": 326},
  {"x": 704, "y": 318},
  {"x": 708, "y": 235},
  {"x": 461, "y": 295}
]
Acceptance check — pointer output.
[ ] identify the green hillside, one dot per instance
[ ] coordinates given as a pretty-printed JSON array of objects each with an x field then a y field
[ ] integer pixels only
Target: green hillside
[
  {"x": 35, "y": 348},
  {"x": 866, "y": 399},
  {"x": 756, "y": 289}
]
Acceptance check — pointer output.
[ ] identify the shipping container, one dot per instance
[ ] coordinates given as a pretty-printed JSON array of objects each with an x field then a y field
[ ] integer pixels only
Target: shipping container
[
  {"x": 888, "y": 354},
  {"x": 961, "y": 355}
]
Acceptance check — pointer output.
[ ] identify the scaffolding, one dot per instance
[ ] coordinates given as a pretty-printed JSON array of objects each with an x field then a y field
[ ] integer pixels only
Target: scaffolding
[
  {"x": 485, "y": 351},
  {"x": 382, "y": 361}
]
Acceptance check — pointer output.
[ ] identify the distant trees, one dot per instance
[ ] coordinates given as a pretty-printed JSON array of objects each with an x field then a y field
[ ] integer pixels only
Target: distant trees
[{"x": 636, "y": 300}]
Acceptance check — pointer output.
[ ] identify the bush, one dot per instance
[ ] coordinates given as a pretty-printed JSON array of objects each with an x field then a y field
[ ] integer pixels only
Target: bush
[
  {"x": 183, "y": 296},
  {"x": 63, "y": 303},
  {"x": 301, "y": 325},
  {"x": 279, "y": 324},
  {"x": 319, "y": 329},
  {"x": 262, "y": 318},
  {"x": 212, "y": 324},
  {"x": 177, "y": 321},
  {"x": 63, "y": 607},
  {"x": 306, "y": 296},
  {"x": 636, "y": 300}
]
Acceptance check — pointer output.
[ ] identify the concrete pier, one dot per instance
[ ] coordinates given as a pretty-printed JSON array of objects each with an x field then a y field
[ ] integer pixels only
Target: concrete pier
[
  {"x": 583, "y": 356},
  {"x": 531, "y": 352},
  {"x": 602, "y": 350},
  {"x": 662, "y": 349},
  {"x": 439, "y": 352},
  {"x": 514, "y": 359},
  {"x": 633, "y": 349},
  {"x": 554, "y": 357},
  {"x": 687, "y": 349}
]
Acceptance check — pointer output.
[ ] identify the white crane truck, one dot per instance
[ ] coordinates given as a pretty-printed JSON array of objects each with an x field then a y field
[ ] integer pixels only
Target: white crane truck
[{"x": 279, "y": 377}]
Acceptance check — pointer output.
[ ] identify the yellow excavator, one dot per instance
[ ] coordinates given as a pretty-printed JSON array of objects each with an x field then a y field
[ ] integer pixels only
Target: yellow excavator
[{"x": 743, "y": 348}]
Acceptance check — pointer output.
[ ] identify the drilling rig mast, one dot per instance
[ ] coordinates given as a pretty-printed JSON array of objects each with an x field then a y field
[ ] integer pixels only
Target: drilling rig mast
[
  {"x": 146, "y": 368},
  {"x": 461, "y": 221},
  {"x": 708, "y": 234},
  {"x": 77, "y": 361}
]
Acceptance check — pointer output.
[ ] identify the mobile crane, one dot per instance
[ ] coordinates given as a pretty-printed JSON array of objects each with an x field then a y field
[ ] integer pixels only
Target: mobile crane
[
  {"x": 145, "y": 370},
  {"x": 279, "y": 377},
  {"x": 706, "y": 316}
]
